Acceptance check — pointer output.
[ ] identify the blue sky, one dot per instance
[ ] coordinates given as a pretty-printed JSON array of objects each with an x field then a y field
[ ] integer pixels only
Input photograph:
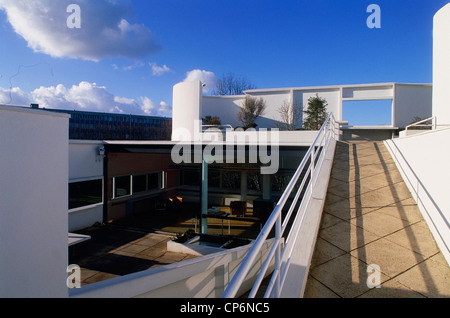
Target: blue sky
[{"x": 128, "y": 54}]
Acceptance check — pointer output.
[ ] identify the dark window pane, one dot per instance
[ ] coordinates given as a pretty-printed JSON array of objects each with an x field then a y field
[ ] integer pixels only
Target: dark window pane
[
  {"x": 154, "y": 181},
  {"x": 231, "y": 180},
  {"x": 121, "y": 186},
  {"x": 190, "y": 177},
  {"x": 85, "y": 193},
  {"x": 139, "y": 184},
  {"x": 254, "y": 182},
  {"x": 214, "y": 178}
]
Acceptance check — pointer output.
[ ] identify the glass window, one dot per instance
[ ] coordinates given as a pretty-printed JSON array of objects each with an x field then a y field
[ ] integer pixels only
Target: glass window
[
  {"x": 254, "y": 182},
  {"x": 122, "y": 186},
  {"x": 155, "y": 181},
  {"x": 214, "y": 178},
  {"x": 139, "y": 183},
  {"x": 85, "y": 193},
  {"x": 231, "y": 180},
  {"x": 190, "y": 177}
]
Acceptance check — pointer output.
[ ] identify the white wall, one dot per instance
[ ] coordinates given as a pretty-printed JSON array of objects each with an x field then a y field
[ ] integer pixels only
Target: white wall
[
  {"x": 85, "y": 164},
  {"x": 33, "y": 203},
  {"x": 411, "y": 101},
  {"x": 187, "y": 109},
  {"x": 332, "y": 96},
  {"x": 84, "y": 160},
  {"x": 274, "y": 100},
  {"x": 224, "y": 107},
  {"x": 423, "y": 160},
  {"x": 441, "y": 65}
]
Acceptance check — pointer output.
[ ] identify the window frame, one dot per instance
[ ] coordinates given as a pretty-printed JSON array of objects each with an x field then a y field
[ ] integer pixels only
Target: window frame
[{"x": 87, "y": 206}]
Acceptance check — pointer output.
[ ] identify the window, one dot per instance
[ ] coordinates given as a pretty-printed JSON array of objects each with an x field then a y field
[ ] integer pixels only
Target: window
[
  {"x": 139, "y": 183},
  {"x": 136, "y": 184},
  {"x": 368, "y": 112},
  {"x": 155, "y": 181},
  {"x": 231, "y": 180},
  {"x": 190, "y": 177},
  {"x": 254, "y": 181},
  {"x": 122, "y": 186},
  {"x": 85, "y": 193}
]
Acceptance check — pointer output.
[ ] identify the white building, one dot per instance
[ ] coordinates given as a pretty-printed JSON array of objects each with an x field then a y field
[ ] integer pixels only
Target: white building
[
  {"x": 407, "y": 101},
  {"x": 37, "y": 162}
]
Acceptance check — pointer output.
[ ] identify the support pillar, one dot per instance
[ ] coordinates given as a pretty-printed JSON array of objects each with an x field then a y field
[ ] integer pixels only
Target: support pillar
[
  {"x": 244, "y": 186},
  {"x": 267, "y": 187},
  {"x": 204, "y": 197}
]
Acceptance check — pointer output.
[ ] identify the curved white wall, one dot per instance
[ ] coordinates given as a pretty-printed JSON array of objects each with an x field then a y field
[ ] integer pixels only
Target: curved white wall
[
  {"x": 441, "y": 66},
  {"x": 187, "y": 107}
]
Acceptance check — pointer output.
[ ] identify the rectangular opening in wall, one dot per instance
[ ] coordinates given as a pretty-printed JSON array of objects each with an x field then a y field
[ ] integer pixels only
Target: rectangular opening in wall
[
  {"x": 155, "y": 181},
  {"x": 85, "y": 193},
  {"x": 368, "y": 112},
  {"x": 139, "y": 183},
  {"x": 122, "y": 186}
]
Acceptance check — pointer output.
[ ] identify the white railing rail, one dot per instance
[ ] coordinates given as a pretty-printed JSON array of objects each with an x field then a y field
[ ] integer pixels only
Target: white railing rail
[
  {"x": 281, "y": 250},
  {"x": 213, "y": 128},
  {"x": 422, "y": 123}
]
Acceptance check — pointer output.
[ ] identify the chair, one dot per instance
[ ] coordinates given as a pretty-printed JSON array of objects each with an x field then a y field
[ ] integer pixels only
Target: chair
[{"x": 238, "y": 208}]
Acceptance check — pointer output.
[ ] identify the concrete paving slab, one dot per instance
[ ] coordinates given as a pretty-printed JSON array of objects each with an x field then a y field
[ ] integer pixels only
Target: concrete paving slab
[
  {"x": 325, "y": 252},
  {"x": 393, "y": 259},
  {"x": 329, "y": 220},
  {"x": 347, "y": 236},
  {"x": 318, "y": 290},
  {"x": 416, "y": 238},
  {"x": 345, "y": 275},
  {"x": 370, "y": 216},
  {"x": 379, "y": 223},
  {"x": 429, "y": 278},
  {"x": 391, "y": 289}
]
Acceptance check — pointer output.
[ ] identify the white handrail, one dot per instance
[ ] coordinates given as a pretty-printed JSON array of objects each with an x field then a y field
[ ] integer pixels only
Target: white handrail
[
  {"x": 314, "y": 157},
  {"x": 418, "y": 124},
  {"x": 216, "y": 127}
]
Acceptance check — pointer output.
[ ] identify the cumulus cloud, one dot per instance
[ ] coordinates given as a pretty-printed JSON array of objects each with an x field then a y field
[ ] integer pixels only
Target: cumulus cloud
[
  {"x": 159, "y": 70},
  {"x": 105, "y": 29},
  {"x": 88, "y": 96},
  {"x": 209, "y": 79},
  {"x": 14, "y": 96}
]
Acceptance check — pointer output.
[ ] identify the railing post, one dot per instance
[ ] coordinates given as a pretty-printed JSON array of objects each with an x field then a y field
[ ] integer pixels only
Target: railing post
[
  {"x": 313, "y": 163},
  {"x": 278, "y": 254}
]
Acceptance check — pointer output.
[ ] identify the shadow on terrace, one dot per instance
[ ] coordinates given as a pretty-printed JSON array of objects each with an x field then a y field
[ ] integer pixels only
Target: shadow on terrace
[
  {"x": 373, "y": 241},
  {"x": 139, "y": 243}
]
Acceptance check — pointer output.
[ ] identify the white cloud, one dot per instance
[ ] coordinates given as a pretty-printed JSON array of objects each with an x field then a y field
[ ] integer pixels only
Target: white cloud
[
  {"x": 14, "y": 96},
  {"x": 209, "y": 79},
  {"x": 105, "y": 31},
  {"x": 151, "y": 109},
  {"x": 93, "y": 97},
  {"x": 159, "y": 70}
]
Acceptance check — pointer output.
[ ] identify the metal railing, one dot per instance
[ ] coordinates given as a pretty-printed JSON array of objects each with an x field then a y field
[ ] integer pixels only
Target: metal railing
[
  {"x": 216, "y": 128},
  {"x": 281, "y": 251},
  {"x": 423, "y": 124}
]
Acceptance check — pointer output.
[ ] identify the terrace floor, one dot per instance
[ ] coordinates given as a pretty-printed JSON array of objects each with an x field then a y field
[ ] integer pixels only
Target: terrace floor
[
  {"x": 137, "y": 244},
  {"x": 370, "y": 218}
]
